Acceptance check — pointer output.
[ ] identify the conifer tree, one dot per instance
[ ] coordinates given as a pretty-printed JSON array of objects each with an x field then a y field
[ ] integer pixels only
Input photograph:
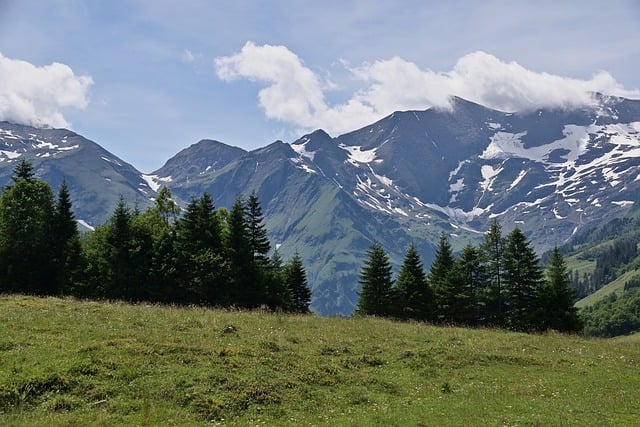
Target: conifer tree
[
  {"x": 414, "y": 298},
  {"x": 201, "y": 260},
  {"x": 296, "y": 280},
  {"x": 440, "y": 280},
  {"x": 257, "y": 233},
  {"x": 523, "y": 284},
  {"x": 26, "y": 250},
  {"x": 559, "y": 311},
  {"x": 279, "y": 295},
  {"x": 491, "y": 296},
  {"x": 467, "y": 279},
  {"x": 68, "y": 257},
  {"x": 247, "y": 288},
  {"x": 376, "y": 295}
]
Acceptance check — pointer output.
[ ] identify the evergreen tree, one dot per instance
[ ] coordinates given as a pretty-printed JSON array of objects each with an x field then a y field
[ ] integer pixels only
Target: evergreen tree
[
  {"x": 491, "y": 295},
  {"x": 296, "y": 280},
  {"x": 279, "y": 295},
  {"x": 247, "y": 288},
  {"x": 414, "y": 298},
  {"x": 257, "y": 231},
  {"x": 523, "y": 284},
  {"x": 440, "y": 280},
  {"x": 376, "y": 295},
  {"x": 559, "y": 298},
  {"x": 26, "y": 250},
  {"x": 68, "y": 257},
  {"x": 200, "y": 254},
  {"x": 467, "y": 279}
]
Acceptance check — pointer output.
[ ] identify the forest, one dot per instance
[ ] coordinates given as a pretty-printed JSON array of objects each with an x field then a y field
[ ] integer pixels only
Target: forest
[
  {"x": 499, "y": 283},
  {"x": 204, "y": 255}
]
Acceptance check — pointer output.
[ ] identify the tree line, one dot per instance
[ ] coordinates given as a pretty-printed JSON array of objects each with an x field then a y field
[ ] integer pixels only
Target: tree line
[
  {"x": 204, "y": 255},
  {"x": 499, "y": 283}
]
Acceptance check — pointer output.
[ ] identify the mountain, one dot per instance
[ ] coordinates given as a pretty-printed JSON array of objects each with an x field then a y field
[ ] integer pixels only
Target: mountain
[
  {"x": 406, "y": 178},
  {"x": 414, "y": 174},
  {"x": 95, "y": 177}
]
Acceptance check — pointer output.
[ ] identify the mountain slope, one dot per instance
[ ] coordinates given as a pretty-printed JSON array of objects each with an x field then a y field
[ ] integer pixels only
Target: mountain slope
[
  {"x": 414, "y": 174},
  {"x": 406, "y": 178},
  {"x": 95, "y": 177}
]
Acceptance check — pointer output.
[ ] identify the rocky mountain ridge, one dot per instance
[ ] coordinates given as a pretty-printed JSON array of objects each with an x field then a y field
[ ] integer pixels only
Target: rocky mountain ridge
[{"x": 403, "y": 179}]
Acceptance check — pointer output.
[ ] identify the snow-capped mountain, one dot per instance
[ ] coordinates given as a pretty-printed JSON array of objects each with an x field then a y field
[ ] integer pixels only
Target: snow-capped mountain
[
  {"x": 95, "y": 177},
  {"x": 402, "y": 179},
  {"x": 549, "y": 171},
  {"x": 412, "y": 174}
]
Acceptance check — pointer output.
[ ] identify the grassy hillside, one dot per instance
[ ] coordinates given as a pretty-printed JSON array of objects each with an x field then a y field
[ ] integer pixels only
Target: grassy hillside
[{"x": 65, "y": 362}]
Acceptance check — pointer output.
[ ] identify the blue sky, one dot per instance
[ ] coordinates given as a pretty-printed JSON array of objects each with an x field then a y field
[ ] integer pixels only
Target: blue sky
[{"x": 147, "y": 78}]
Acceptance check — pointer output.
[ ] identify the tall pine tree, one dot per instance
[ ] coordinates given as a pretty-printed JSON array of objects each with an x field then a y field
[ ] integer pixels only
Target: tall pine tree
[
  {"x": 376, "y": 295},
  {"x": 296, "y": 280},
  {"x": 26, "y": 250},
  {"x": 523, "y": 282},
  {"x": 440, "y": 280},
  {"x": 414, "y": 298},
  {"x": 492, "y": 294},
  {"x": 559, "y": 311}
]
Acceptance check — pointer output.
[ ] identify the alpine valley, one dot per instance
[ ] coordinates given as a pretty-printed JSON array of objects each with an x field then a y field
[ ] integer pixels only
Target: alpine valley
[{"x": 403, "y": 179}]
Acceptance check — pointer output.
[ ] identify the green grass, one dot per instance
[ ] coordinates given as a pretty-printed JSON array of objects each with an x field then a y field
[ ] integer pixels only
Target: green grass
[{"x": 65, "y": 362}]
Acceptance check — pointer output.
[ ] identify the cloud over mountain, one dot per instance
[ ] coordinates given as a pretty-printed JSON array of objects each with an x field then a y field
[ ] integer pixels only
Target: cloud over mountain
[
  {"x": 296, "y": 94},
  {"x": 37, "y": 96}
]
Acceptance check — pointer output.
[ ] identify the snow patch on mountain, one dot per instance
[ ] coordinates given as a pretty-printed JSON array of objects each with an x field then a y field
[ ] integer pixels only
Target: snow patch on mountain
[
  {"x": 154, "y": 181},
  {"x": 9, "y": 154},
  {"x": 357, "y": 155},
  {"x": 301, "y": 149}
]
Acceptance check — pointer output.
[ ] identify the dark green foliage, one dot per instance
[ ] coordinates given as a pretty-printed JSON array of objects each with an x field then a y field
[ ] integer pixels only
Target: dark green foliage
[
  {"x": 208, "y": 256},
  {"x": 491, "y": 296},
  {"x": 440, "y": 280},
  {"x": 613, "y": 315},
  {"x": 295, "y": 278},
  {"x": 558, "y": 301},
  {"x": 467, "y": 279},
  {"x": 69, "y": 261},
  {"x": 257, "y": 233},
  {"x": 26, "y": 235},
  {"x": 414, "y": 297},
  {"x": 523, "y": 284},
  {"x": 246, "y": 282},
  {"x": 499, "y": 283},
  {"x": 376, "y": 295}
]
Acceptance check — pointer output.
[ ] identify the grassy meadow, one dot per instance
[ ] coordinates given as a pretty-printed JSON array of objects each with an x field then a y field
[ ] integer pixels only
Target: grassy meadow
[{"x": 78, "y": 363}]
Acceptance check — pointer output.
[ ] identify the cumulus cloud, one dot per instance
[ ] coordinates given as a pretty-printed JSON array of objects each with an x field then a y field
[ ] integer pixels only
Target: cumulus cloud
[
  {"x": 295, "y": 94},
  {"x": 37, "y": 96}
]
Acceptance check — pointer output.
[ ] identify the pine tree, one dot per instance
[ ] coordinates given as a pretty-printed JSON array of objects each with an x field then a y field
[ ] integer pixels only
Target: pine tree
[
  {"x": 247, "y": 288},
  {"x": 257, "y": 232},
  {"x": 376, "y": 296},
  {"x": 26, "y": 250},
  {"x": 467, "y": 279},
  {"x": 440, "y": 280},
  {"x": 414, "y": 298},
  {"x": 523, "y": 284},
  {"x": 68, "y": 257},
  {"x": 203, "y": 270},
  {"x": 296, "y": 280},
  {"x": 559, "y": 310},
  {"x": 491, "y": 295},
  {"x": 278, "y": 294}
]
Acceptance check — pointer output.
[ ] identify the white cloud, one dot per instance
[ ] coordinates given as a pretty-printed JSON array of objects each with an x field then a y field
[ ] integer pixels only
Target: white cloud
[
  {"x": 294, "y": 93},
  {"x": 37, "y": 96}
]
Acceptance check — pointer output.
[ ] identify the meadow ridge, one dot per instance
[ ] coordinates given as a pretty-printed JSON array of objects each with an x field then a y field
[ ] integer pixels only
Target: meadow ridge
[{"x": 71, "y": 362}]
